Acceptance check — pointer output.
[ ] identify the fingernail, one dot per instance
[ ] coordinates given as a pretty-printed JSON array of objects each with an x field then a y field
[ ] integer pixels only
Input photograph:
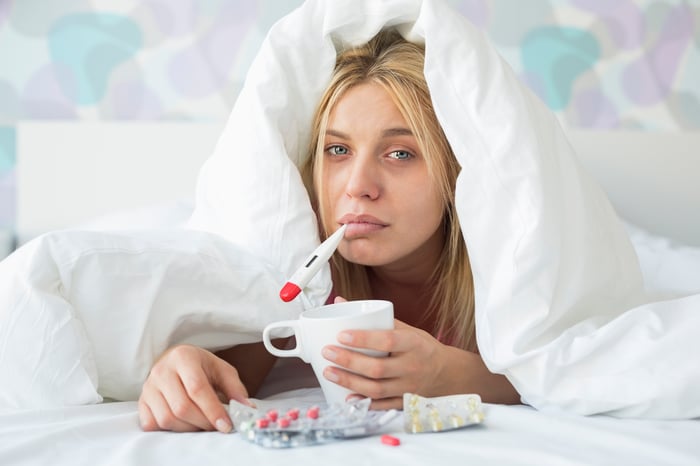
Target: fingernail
[
  {"x": 223, "y": 426},
  {"x": 345, "y": 337},
  {"x": 329, "y": 354},
  {"x": 330, "y": 375}
]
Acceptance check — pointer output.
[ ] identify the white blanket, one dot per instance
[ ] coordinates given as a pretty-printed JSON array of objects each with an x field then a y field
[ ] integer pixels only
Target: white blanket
[
  {"x": 561, "y": 308},
  {"x": 84, "y": 315},
  {"x": 560, "y": 304}
]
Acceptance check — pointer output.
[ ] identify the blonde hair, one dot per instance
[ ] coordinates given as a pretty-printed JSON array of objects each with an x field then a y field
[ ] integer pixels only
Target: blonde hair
[{"x": 397, "y": 66}]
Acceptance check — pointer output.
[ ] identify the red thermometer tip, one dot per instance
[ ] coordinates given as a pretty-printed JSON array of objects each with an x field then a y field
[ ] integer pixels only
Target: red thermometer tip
[{"x": 289, "y": 291}]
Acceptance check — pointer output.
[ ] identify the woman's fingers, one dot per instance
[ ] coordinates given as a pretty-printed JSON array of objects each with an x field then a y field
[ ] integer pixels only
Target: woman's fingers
[
  {"x": 389, "y": 341},
  {"x": 146, "y": 420},
  {"x": 180, "y": 393},
  {"x": 187, "y": 394},
  {"x": 157, "y": 415},
  {"x": 224, "y": 378},
  {"x": 367, "y": 366},
  {"x": 376, "y": 378},
  {"x": 414, "y": 358}
]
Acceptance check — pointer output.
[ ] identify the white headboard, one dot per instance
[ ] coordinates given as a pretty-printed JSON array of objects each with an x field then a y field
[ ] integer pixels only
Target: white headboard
[
  {"x": 69, "y": 172},
  {"x": 652, "y": 178}
]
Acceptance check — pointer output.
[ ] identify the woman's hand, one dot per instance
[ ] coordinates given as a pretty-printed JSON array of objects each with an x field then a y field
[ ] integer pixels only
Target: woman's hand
[
  {"x": 417, "y": 363},
  {"x": 182, "y": 392}
]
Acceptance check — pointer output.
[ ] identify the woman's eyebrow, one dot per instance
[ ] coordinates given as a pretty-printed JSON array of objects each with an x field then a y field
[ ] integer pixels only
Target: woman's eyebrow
[
  {"x": 336, "y": 133},
  {"x": 386, "y": 133},
  {"x": 397, "y": 132}
]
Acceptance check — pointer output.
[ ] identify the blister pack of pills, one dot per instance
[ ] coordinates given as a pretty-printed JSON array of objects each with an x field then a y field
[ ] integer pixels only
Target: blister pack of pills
[
  {"x": 296, "y": 426},
  {"x": 442, "y": 413}
]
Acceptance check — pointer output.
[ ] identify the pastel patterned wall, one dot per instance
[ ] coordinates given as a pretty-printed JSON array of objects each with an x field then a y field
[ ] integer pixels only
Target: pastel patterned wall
[{"x": 597, "y": 63}]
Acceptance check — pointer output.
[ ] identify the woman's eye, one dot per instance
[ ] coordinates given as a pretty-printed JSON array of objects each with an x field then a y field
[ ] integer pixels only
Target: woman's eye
[
  {"x": 400, "y": 155},
  {"x": 337, "y": 150}
]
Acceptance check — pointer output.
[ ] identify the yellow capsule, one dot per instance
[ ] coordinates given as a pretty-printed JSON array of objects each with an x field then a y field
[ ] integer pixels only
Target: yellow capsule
[
  {"x": 456, "y": 421},
  {"x": 416, "y": 427},
  {"x": 436, "y": 424}
]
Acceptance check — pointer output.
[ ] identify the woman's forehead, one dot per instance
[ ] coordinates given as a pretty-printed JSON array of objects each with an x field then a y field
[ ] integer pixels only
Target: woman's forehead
[{"x": 367, "y": 106}]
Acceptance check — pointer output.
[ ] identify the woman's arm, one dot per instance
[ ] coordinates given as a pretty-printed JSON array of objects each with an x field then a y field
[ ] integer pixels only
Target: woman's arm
[{"x": 468, "y": 373}]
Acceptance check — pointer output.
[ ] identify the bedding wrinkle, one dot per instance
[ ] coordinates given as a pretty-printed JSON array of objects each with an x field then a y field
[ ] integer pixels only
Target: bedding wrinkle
[
  {"x": 125, "y": 298},
  {"x": 484, "y": 150},
  {"x": 635, "y": 374},
  {"x": 39, "y": 334}
]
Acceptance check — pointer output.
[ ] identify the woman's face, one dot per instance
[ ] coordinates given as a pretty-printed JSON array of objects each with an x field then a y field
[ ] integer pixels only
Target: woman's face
[{"x": 376, "y": 180}]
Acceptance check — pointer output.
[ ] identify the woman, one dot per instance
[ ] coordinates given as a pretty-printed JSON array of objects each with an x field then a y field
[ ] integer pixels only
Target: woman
[{"x": 380, "y": 163}]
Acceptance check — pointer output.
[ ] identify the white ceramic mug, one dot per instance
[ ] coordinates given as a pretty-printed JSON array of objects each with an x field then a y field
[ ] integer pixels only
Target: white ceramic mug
[{"x": 319, "y": 327}]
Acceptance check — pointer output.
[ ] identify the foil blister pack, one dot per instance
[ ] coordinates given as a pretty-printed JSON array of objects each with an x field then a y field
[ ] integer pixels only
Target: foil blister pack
[
  {"x": 442, "y": 413},
  {"x": 277, "y": 425},
  {"x": 288, "y": 427}
]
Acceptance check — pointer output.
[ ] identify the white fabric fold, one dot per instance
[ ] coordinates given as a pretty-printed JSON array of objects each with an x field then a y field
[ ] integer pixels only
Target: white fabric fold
[
  {"x": 84, "y": 315},
  {"x": 560, "y": 303}
]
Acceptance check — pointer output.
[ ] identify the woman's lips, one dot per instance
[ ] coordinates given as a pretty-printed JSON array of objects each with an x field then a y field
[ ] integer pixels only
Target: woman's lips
[
  {"x": 360, "y": 225},
  {"x": 362, "y": 229}
]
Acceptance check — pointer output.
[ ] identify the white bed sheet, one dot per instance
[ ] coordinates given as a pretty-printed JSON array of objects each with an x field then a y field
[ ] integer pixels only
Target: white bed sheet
[{"x": 109, "y": 434}]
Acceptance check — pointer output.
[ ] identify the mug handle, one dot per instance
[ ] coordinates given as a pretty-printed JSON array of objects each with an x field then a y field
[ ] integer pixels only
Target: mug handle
[{"x": 296, "y": 330}]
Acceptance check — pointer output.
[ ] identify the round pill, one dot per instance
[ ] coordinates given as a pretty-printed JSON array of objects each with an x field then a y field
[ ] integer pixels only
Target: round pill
[
  {"x": 312, "y": 413},
  {"x": 283, "y": 422},
  {"x": 272, "y": 415},
  {"x": 262, "y": 423},
  {"x": 390, "y": 440},
  {"x": 293, "y": 414}
]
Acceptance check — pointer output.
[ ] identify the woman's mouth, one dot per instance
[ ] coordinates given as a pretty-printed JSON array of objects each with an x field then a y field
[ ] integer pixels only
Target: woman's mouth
[{"x": 361, "y": 225}]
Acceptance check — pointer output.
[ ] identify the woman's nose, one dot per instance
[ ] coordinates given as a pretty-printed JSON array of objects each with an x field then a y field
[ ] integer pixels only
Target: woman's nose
[{"x": 363, "y": 179}]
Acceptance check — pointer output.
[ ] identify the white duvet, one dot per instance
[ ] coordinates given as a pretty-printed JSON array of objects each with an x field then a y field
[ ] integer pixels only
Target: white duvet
[{"x": 561, "y": 308}]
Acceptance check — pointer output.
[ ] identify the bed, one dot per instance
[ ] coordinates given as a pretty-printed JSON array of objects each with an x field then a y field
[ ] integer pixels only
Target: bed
[{"x": 102, "y": 181}]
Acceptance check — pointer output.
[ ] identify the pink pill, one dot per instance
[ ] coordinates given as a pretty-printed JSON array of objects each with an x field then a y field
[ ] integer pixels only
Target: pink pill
[
  {"x": 283, "y": 422},
  {"x": 272, "y": 415},
  {"x": 390, "y": 440},
  {"x": 312, "y": 413},
  {"x": 262, "y": 423},
  {"x": 293, "y": 414}
]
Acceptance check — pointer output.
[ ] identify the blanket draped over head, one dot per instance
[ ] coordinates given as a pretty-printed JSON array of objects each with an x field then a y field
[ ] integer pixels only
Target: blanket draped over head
[{"x": 560, "y": 306}]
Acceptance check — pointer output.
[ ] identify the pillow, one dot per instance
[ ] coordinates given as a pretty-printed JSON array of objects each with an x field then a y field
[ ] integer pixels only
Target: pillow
[{"x": 670, "y": 269}]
